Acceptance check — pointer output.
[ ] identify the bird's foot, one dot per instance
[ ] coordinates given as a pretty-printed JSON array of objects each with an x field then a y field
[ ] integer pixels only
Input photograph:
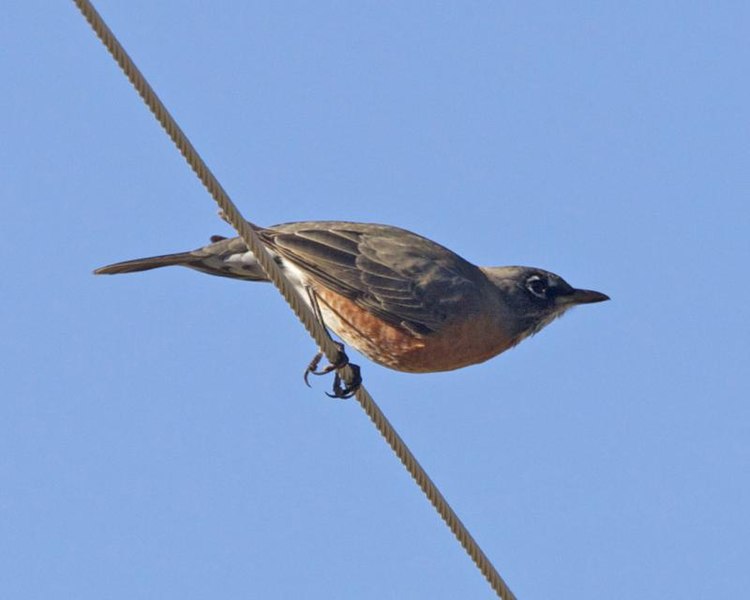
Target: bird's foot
[
  {"x": 348, "y": 389},
  {"x": 341, "y": 388},
  {"x": 341, "y": 361}
]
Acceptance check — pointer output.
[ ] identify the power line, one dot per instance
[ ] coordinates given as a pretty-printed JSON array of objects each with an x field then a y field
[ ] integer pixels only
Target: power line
[{"x": 303, "y": 312}]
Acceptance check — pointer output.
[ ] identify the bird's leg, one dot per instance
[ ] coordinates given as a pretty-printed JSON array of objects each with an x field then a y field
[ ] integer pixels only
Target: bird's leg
[{"x": 339, "y": 391}]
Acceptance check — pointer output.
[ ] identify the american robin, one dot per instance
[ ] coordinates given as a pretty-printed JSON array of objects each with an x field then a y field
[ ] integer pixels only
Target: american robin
[{"x": 400, "y": 299}]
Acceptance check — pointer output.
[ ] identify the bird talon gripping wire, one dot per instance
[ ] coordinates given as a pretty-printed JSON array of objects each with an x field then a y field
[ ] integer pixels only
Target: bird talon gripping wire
[
  {"x": 349, "y": 389},
  {"x": 342, "y": 360}
]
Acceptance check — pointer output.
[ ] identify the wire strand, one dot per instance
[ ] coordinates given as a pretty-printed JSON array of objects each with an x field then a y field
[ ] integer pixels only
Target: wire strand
[{"x": 303, "y": 312}]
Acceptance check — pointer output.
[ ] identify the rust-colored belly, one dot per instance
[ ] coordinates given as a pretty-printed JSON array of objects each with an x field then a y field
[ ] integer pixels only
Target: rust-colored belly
[{"x": 468, "y": 340}]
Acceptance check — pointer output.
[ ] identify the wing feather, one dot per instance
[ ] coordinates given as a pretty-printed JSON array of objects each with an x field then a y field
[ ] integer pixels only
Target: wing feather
[{"x": 401, "y": 277}]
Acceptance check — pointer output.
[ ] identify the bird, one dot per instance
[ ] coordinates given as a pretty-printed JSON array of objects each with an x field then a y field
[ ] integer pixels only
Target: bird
[{"x": 400, "y": 299}]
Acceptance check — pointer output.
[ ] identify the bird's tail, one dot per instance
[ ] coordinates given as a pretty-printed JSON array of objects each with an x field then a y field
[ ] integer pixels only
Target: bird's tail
[
  {"x": 225, "y": 257},
  {"x": 146, "y": 264}
]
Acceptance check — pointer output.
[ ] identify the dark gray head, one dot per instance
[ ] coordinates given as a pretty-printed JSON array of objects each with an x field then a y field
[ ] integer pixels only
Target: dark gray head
[{"x": 536, "y": 297}]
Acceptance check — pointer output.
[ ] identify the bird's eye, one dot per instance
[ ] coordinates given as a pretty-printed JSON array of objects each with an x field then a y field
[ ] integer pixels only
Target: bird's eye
[{"x": 537, "y": 286}]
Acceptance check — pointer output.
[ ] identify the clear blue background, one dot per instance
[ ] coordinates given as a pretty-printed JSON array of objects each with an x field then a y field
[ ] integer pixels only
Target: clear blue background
[{"x": 156, "y": 440}]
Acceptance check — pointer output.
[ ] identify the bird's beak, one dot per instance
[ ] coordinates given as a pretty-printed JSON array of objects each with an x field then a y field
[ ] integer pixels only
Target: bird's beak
[{"x": 584, "y": 297}]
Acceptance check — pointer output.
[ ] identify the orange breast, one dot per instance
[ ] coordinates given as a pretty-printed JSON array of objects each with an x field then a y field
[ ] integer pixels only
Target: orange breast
[{"x": 467, "y": 340}]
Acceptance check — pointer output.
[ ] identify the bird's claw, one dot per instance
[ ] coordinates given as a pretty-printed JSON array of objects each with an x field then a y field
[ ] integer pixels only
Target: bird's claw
[{"x": 347, "y": 390}]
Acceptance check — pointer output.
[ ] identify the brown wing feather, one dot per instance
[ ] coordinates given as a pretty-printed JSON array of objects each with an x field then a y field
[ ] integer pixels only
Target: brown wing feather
[{"x": 401, "y": 277}]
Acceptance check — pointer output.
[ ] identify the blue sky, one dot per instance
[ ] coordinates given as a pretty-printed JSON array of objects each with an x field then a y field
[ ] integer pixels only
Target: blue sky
[{"x": 156, "y": 439}]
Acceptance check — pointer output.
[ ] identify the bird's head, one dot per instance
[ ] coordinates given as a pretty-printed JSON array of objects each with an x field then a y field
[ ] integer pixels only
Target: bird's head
[{"x": 536, "y": 297}]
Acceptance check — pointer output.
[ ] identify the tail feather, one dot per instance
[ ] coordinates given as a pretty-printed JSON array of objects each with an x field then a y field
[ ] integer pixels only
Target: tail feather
[
  {"x": 146, "y": 264},
  {"x": 225, "y": 257}
]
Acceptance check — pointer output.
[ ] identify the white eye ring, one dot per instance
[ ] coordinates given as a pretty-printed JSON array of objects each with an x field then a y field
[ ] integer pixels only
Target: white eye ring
[{"x": 537, "y": 286}]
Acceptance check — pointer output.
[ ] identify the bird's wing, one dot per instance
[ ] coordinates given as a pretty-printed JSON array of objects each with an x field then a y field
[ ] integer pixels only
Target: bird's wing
[{"x": 403, "y": 278}]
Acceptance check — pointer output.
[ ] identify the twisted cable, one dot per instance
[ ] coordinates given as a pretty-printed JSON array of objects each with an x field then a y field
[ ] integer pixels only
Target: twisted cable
[{"x": 314, "y": 327}]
